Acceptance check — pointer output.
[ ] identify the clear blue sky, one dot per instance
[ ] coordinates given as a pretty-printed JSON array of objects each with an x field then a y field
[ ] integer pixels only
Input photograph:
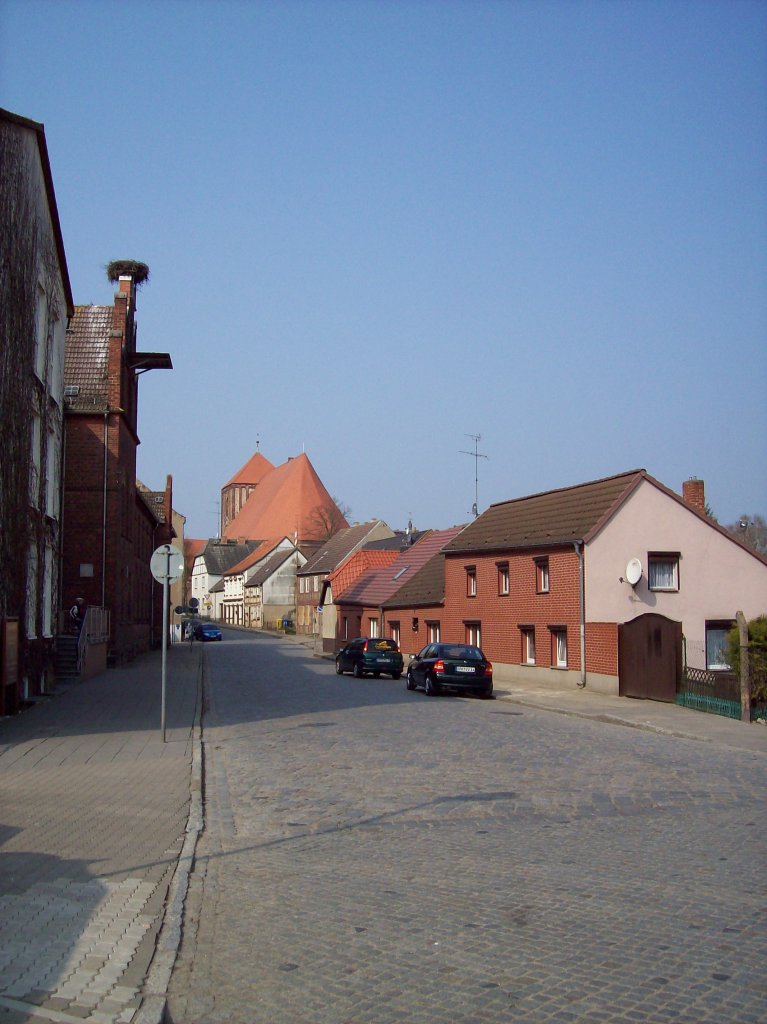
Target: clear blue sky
[{"x": 375, "y": 228}]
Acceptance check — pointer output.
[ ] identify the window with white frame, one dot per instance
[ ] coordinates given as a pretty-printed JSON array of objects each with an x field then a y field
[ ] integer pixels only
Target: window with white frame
[
  {"x": 394, "y": 632},
  {"x": 372, "y": 627},
  {"x": 542, "y": 575},
  {"x": 432, "y": 632},
  {"x": 716, "y": 645},
  {"x": 663, "y": 571},
  {"x": 503, "y": 579},
  {"x": 474, "y": 633},
  {"x": 559, "y": 647},
  {"x": 471, "y": 581},
  {"x": 41, "y": 331},
  {"x": 528, "y": 645}
]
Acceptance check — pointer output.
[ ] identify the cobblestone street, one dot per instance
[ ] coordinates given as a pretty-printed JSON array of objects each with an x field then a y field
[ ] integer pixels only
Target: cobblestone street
[{"x": 374, "y": 855}]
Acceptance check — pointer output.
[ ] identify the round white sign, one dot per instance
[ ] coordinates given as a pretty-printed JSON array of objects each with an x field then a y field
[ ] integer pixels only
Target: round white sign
[{"x": 167, "y": 563}]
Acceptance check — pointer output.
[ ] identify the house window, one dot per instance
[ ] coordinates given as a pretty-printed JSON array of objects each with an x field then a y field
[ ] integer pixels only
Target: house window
[
  {"x": 432, "y": 632},
  {"x": 372, "y": 627},
  {"x": 528, "y": 645},
  {"x": 394, "y": 632},
  {"x": 41, "y": 340},
  {"x": 503, "y": 579},
  {"x": 542, "y": 575},
  {"x": 716, "y": 645},
  {"x": 474, "y": 633},
  {"x": 471, "y": 581},
  {"x": 559, "y": 646},
  {"x": 663, "y": 571},
  {"x": 346, "y": 628}
]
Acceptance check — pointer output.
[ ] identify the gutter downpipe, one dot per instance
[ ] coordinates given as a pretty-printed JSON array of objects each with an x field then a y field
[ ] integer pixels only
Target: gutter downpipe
[
  {"x": 104, "y": 515},
  {"x": 582, "y": 608}
]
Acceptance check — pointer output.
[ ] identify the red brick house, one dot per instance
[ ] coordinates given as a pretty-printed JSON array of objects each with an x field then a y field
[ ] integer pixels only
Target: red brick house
[
  {"x": 110, "y": 531},
  {"x": 547, "y": 583},
  {"x": 363, "y": 608},
  {"x": 311, "y": 576}
]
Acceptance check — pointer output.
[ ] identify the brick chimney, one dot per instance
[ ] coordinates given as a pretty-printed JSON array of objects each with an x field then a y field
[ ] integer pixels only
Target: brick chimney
[{"x": 693, "y": 492}]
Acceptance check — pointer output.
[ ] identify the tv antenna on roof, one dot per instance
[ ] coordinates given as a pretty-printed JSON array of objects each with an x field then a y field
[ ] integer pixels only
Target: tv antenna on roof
[{"x": 476, "y": 455}]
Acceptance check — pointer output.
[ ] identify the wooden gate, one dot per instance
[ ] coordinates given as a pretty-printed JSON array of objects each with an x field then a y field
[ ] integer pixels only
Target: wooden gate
[{"x": 650, "y": 658}]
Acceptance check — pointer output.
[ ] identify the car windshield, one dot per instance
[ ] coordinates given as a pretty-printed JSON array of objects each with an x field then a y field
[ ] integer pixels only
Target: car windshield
[{"x": 461, "y": 651}]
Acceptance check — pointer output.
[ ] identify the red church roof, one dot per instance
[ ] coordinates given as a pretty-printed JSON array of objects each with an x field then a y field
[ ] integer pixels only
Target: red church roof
[
  {"x": 254, "y": 470},
  {"x": 287, "y": 501}
]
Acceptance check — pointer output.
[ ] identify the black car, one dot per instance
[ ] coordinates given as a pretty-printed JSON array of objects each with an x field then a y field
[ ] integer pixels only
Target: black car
[
  {"x": 374, "y": 654},
  {"x": 456, "y": 667},
  {"x": 206, "y": 631}
]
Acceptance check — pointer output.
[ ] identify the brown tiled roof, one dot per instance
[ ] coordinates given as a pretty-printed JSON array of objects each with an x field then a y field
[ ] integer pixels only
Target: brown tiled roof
[
  {"x": 283, "y": 504},
  {"x": 374, "y": 588},
  {"x": 220, "y": 555},
  {"x": 86, "y": 357},
  {"x": 427, "y": 587},
  {"x": 254, "y": 470},
  {"x": 551, "y": 518},
  {"x": 338, "y": 548},
  {"x": 154, "y": 499}
]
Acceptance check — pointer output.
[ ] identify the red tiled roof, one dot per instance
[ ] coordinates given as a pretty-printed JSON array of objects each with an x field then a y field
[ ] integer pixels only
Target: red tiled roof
[
  {"x": 253, "y": 472},
  {"x": 359, "y": 563},
  {"x": 339, "y": 548},
  {"x": 284, "y": 503},
  {"x": 374, "y": 588}
]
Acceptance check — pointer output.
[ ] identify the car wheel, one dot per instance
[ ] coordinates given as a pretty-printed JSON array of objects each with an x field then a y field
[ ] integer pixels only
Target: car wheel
[
  {"x": 409, "y": 681},
  {"x": 396, "y": 675},
  {"x": 357, "y": 672},
  {"x": 339, "y": 670},
  {"x": 429, "y": 688}
]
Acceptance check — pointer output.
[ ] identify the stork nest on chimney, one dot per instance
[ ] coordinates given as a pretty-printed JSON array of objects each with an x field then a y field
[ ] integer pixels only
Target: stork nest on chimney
[{"x": 128, "y": 268}]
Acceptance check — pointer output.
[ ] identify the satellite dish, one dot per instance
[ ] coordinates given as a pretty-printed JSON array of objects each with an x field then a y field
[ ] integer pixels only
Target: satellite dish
[{"x": 634, "y": 571}]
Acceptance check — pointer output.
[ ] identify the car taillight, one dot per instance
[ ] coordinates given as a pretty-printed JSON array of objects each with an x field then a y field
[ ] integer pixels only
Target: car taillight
[
  {"x": 488, "y": 669},
  {"x": 439, "y": 667},
  {"x": 365, "y": 647}
]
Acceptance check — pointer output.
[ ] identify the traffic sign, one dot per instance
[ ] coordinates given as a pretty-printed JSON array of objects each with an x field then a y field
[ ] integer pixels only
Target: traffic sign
[{"x": 167, "y": 563}]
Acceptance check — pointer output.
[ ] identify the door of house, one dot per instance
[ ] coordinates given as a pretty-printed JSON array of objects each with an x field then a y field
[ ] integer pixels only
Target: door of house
[{"x": 650, "y": 657}]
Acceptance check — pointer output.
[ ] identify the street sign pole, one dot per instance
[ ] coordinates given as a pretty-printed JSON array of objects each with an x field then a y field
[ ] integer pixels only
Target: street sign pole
[
  {"x": 166, "y": 565},
  {"x": 165, "y": 590}
]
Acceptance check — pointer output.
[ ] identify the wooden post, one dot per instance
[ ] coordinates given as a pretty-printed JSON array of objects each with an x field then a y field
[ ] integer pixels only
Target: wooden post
[{"x": 745, "y": 678}]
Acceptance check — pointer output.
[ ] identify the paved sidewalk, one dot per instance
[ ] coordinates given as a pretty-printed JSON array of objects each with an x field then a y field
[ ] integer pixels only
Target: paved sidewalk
[
  {"x": 98, "y": 818},
  {"x": 650, "y": 715}
]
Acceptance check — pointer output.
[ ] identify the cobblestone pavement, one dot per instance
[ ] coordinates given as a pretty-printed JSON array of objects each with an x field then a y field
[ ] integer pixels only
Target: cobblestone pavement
[
  {"x": 374, "y": 855},
  {"x": 93, "y": 812}
]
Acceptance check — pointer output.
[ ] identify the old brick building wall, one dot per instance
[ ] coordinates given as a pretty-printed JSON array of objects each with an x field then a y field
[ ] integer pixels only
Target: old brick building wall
[
  {"x": 35, "y": 303},
  {"x": 110, "y": 531}
]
